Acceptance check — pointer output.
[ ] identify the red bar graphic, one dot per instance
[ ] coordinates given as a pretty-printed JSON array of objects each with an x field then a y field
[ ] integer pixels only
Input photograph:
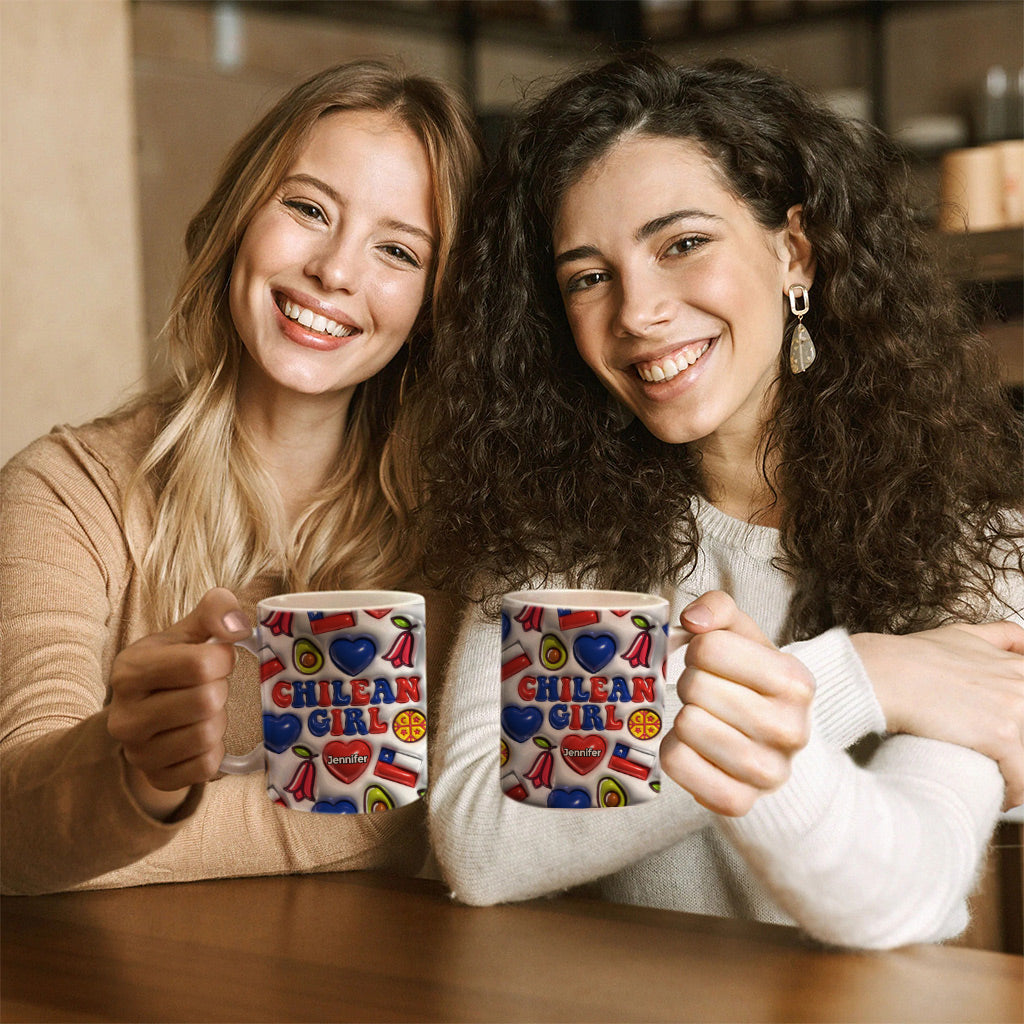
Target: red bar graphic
[{"x": 568, "y": 619}]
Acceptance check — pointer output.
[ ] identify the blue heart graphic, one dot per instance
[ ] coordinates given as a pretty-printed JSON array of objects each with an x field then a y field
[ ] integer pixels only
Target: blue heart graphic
[
  {"x": 280, "y": 732},
  {"x": 505, "y": 626},
  {"x": 353, "y": 654},
  {"x": 568, "y": 798},
  {"x": 335, "y": 807},
  {"x": 521, "y": 723},
  {"x": 594, "y": 650}
]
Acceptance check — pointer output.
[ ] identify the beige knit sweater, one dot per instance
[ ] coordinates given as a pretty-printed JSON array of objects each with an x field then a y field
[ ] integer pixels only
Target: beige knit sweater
[{"x": 70, "y": 600}]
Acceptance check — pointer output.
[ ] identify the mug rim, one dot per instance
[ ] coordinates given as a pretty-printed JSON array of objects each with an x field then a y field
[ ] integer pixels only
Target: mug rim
[
  {"x": 584, "y": 598},
  {"x": 339, "y": 600}
]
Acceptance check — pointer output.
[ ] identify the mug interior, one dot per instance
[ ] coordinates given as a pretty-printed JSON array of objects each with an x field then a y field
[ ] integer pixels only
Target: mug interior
[
  {"x": 343, "y": 600},
  {"x": 616, "y": 599}
]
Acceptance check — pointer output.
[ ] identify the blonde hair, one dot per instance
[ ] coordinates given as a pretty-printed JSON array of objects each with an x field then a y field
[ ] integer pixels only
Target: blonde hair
[{"x": 218, "y": 518}]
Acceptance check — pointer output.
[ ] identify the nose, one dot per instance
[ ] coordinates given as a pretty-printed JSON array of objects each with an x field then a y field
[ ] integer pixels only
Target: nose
[
  {"x": 337, "y": 264},
  {"x": 644, "y": 304}
]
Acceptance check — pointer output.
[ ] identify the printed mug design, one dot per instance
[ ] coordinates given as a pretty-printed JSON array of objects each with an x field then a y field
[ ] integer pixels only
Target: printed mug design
[
  {"x": 344, "y": 709},
  {"x": 582, "y": 696}
]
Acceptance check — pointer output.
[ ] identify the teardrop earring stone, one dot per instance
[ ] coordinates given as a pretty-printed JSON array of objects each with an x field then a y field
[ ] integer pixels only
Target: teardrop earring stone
[{"x": 802, "y": 351}]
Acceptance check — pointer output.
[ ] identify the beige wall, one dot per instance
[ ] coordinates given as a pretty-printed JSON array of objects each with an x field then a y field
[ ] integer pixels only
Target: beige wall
[{"x": 71, "y": 343}]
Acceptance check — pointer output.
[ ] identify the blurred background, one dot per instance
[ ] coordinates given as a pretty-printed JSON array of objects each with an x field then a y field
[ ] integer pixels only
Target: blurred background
[{"x": 117, "y": 113}]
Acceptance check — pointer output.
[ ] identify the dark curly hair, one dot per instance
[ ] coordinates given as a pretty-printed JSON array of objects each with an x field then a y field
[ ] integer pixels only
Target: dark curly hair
[{"x": 899, "y": 458}]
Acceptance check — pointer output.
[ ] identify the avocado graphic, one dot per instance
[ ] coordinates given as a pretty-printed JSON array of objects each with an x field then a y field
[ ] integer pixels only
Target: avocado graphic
[
  {"x": 611, "y": 794},
  {"x": 552, "y": 652},
  {"x": 377, "y": 798},
  {"x": 307, "y": 657}
]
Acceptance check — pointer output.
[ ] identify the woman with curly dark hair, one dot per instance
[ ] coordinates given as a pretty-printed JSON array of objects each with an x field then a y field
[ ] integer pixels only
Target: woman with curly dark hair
[{"x": 701, "y": 348}]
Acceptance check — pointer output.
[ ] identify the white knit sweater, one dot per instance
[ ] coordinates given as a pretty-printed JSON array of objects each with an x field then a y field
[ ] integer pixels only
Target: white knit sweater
[{"x": 873, "y": 857}]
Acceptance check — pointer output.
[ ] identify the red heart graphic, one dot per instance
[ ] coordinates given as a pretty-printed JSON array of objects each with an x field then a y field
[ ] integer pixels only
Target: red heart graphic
[
  {"x": 583, "y": 755},
  {"x": 615, "y": 611},
  {"x": 347, "y": 761},
  {"x": 378, "y": 613}
]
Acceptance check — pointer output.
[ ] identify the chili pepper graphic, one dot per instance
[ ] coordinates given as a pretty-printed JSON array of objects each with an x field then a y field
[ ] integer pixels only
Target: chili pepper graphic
[
  {"x": 304, "y": 779},
  {"x": 279, "y": 622},
  {"x": 530, "y": 617},
  {"x": 639, "y": 652},
  {"x": 540, "y": 771},
  {"x": 401, "y": 651}
]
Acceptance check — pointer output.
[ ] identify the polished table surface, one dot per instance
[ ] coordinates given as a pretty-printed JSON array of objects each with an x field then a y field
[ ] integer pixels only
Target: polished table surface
[{"x": 365, "y": 947}]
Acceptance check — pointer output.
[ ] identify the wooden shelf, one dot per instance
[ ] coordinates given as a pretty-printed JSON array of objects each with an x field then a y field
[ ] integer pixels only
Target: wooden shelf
[{"x": 987, "y": 257}]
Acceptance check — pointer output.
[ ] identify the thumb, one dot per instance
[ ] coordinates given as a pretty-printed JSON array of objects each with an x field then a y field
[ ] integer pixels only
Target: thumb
[
  {"x": 218, "y": 616},
  {"x": 717, "y": 610}
]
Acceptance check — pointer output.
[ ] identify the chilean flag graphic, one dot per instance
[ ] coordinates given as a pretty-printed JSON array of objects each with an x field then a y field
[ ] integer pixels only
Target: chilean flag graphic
[
  {"x": 398, "y": 766},
  {"x": 319, "y": 622},
  {"x": 568, "y": 619},
  {"x": 513, "y": 786},
  {"x": 631, "y": 761},
  {"x": 514, "y": 659},
  {"x": 270, "y": 664}
]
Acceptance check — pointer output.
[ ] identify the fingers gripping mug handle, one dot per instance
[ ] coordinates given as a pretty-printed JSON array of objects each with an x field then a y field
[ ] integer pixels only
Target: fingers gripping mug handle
[{"x": 242, "y": 764}]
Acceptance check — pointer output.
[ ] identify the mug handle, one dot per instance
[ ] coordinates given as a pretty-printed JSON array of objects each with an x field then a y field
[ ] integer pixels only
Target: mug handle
[
  {"x": 677, "y": 637},
  {"x": 242, "y": 764}
]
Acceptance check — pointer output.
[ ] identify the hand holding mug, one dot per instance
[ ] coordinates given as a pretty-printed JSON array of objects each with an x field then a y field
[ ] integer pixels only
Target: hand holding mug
[
  {"x": 168, "y": 696},
  {"x": 746, "y": 710}
]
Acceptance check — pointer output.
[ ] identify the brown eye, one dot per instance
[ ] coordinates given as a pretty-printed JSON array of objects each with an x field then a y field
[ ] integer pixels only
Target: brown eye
[
  {"x": 308, "y": 210},
  {"x": 584, "y": 282}
]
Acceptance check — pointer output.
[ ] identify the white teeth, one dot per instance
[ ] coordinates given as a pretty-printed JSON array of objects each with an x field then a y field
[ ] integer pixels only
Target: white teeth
[
  {"x": 669, "y": 367},
  {"x": 314, "y": 321}
]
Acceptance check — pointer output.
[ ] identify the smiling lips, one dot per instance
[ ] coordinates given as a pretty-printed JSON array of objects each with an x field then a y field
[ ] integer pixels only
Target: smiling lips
[
  {"x": 667, "y": 367},
  {"x": 314, "y": 321}
]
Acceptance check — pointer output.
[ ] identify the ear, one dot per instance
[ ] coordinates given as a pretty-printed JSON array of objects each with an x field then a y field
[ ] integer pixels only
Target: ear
[{"x": 798, "y": 246}]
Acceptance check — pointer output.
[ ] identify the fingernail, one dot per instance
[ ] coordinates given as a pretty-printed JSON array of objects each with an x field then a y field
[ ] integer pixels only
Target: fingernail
[
  {"x": 699, "y": 615},
  {"x": 235, "y": 622}
]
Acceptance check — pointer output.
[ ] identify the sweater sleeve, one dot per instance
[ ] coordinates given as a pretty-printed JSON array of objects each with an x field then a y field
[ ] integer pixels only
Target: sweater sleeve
[
  {"x": 879, "y": 856},
  {"x": 875, "y": 856},
  {"x": 67, "y": 811},
  {"x": 493, "y": 849},
  {"x": 69, "y": 818}
]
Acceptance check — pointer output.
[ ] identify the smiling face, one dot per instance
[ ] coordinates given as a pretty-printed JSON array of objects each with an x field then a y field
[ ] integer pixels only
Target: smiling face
[
  {"x": 673, "y": 290},
  {"x": 332, "y": 270}
]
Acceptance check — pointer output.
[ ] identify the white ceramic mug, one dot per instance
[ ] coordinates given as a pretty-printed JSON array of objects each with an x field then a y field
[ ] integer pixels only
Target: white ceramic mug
[
  {"x": 583, "y": 696},
  {"x": 343, "y": 686}
]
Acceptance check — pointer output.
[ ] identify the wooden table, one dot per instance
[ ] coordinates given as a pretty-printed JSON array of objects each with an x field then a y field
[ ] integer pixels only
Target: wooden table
[{"x": 368, "y": 947}]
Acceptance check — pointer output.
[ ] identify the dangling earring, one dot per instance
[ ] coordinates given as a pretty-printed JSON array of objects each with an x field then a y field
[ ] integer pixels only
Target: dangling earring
[{"x": 801, "y": 350}]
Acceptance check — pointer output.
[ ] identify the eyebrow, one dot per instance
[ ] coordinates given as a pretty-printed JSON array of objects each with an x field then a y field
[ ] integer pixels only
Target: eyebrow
[
  {"x": 335, "y": 197},
  {"x": 642, "y": 234},
  {"x": 652, "y": 227}
]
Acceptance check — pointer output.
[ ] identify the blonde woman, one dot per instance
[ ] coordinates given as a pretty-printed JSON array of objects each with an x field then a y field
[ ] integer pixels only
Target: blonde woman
[{"x": 272, "y": 460}]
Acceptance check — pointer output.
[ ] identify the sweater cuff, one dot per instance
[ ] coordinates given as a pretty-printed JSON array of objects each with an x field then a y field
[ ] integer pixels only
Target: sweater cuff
[
  {"x": 798, "y": 807},
  {"x": 845, "y": 707}
]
